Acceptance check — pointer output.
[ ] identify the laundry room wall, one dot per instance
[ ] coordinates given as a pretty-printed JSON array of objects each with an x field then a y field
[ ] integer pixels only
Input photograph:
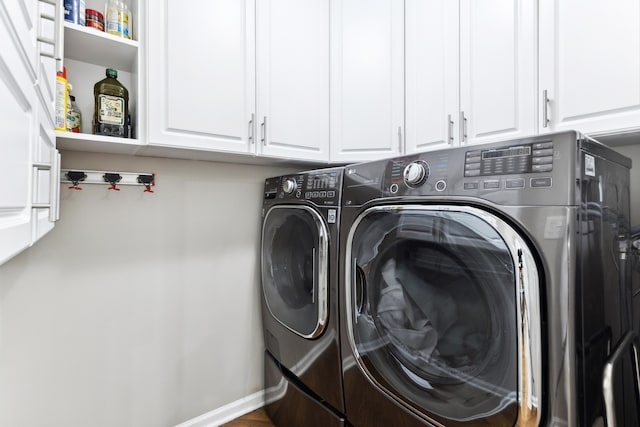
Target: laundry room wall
[{"x": 138, "y": 309}]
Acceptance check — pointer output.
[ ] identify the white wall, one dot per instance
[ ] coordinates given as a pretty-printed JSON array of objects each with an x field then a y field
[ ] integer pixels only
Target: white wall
[{"x": 137, "y": 309}]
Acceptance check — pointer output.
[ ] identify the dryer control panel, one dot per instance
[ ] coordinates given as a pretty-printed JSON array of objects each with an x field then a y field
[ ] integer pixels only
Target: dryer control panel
[{"x": 320, "y": 187}]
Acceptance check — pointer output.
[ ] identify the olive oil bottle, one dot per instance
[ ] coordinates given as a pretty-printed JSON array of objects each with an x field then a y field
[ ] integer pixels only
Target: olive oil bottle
[{"x": 111, "y": 106}]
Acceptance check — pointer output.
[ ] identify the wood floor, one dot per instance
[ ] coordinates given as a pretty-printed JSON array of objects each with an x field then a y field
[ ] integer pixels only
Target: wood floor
[{"x": 257, "y": 418}]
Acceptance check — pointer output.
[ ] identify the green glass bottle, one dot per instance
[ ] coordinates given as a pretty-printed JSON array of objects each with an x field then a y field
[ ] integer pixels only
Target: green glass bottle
[{"x": 111, "y": 106}]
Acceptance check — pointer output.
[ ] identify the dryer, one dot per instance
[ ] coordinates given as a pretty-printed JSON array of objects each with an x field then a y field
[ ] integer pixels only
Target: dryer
[
  {"x": 486, "y": 285},
  {"x": 303, "y": 379}
]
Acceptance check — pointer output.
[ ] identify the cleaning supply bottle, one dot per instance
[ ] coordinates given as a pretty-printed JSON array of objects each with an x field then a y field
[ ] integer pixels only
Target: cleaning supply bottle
[
  {"x": 125, "y": 19},
  {"x": 111, "y": 106},
  {"x": 112, "y": 18},
  {"x": 73, "y": 114},
  {"x": 62, "y": 100}
]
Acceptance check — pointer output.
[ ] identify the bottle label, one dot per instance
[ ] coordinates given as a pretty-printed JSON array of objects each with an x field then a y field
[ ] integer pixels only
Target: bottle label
[
  {"x": 73, "y": 122},
  {"x": 111, "y": 110},
  {"x": 61, "y": 103},
  {"x": 112, "y": 21}
]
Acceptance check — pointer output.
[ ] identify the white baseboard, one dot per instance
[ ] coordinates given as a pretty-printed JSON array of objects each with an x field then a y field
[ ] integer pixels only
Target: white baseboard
[{"x": 228, "y": 412}]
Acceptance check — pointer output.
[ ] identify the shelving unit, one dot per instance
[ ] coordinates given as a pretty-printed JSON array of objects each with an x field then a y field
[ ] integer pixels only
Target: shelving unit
[{"x": 87, "y": 54}]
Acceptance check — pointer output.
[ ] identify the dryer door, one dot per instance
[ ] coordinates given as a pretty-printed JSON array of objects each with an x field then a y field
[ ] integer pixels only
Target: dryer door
[
  {"x": 294, "y": 268},
  {"x": 443, "y": 313}
]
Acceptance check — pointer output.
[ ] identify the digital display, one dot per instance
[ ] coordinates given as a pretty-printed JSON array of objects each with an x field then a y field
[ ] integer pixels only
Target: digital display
[
  {"x": 321, "y": 181},
  {"x": 507, "y": 152}
]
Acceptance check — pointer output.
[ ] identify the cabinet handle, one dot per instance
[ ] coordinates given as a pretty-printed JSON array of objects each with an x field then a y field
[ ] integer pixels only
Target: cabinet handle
[
  {"x": 400, "y": 145},
  {"x": 251, "y": 132},
  {"x": 449, "y": 130},
  {"x": 463, "y": 128},
  {"x": 263, "y": 131},
  {"x": 54, "y": 212},
  {"x": 545, "y": 109}
]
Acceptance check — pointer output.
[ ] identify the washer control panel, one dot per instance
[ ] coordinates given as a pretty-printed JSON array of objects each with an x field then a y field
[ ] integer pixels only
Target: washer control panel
[{"x": 517, "y": 159}]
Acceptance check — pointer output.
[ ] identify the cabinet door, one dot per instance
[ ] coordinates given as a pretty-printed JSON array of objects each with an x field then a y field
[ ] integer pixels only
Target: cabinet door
[
  {"x": 293, "y": 78},
  {"x": 201, "y": 74},
  {"x": 589, "y": 65},
  {"x": 497, "y": 70},
  {"x": 18, "y": 124},
  {"x": 431, "y": 74},
  {"x": 367, "y": 79}
]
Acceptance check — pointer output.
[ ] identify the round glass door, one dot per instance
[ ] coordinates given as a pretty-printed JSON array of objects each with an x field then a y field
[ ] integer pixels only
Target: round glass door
[
  {"x": 294, "y": 265},
  {"x": 431, "y": 294}
]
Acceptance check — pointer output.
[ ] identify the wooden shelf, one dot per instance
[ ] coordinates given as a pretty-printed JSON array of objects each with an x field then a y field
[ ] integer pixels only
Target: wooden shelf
[{"x": 87, "y": 44}]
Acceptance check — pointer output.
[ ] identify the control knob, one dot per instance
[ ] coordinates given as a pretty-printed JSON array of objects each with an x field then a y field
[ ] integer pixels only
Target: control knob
[
  {"x": 416, "y": 173},
  {"x": 289, "y": 185}
]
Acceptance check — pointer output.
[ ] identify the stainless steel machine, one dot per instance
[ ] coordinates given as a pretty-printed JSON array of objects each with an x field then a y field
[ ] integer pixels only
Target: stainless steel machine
[
  {"x": 303, "y": 379},
  {"x": 488, "y": 285}
]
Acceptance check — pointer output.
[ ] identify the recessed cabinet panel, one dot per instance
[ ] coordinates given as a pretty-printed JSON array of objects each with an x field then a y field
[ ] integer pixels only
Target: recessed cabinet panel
[
  {"x": 23, "y": 21},
  {"x": 497, "y": 70},
  {"x": 431, "y": 74},
  {"x": 18, "y": 117},
  {"x": 293, "y": 78},
  {"x": 589, "y": 65},
  {"x": 201, "y": 74},
  {"x": 367, "y": 105}
]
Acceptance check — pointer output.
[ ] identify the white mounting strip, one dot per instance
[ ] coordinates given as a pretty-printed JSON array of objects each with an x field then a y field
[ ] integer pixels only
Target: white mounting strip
[{"x": 97, "y": 177}]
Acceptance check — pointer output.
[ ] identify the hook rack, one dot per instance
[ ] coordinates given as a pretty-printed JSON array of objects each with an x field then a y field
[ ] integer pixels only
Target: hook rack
[{"x": 77, "y": 177}]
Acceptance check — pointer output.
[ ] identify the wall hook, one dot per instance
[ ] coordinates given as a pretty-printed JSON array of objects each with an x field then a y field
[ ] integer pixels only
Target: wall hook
[
  {"x": 75, "y": 177},
  {"x": 147, "y": 181},
  {"x": 113, "y": 179}
]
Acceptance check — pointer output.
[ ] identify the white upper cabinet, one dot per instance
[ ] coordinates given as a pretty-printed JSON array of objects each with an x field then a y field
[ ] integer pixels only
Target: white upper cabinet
[
  {"x": 292, "y": 116},
  {"x": 470, "y": 74},
  {"x": 201, "y": 74},
  {"x": 28, "y": 157},
  {"x": 17, "y": 110},
  {"x": 367, "y": 79},
  {"x": 432, "y": 87},
  {"x": 589, "y": 65},
  {"x": 497, "y": 70}
]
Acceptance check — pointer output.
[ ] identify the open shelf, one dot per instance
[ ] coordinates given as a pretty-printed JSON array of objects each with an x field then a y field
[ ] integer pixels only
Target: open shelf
[
  {"x": 97, "y": 143},
  {"x": 87, "y": 44}
]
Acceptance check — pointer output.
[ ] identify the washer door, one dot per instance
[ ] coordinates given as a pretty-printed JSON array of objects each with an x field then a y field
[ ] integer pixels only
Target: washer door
[
  {"x": 434, "y": 312},
  {"x": 294, "y": 268}
]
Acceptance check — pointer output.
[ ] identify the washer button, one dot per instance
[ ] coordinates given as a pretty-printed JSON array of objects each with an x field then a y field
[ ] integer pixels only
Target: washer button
[
  {"x": 470, "y": 185},
  {"x": 441, "y": 185},
  {"x": 542, "y": 168},
  {"x": 514, "y": 183},
  {"x": 540, "y": 182},
  {"x": 393, "y": 188}
]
